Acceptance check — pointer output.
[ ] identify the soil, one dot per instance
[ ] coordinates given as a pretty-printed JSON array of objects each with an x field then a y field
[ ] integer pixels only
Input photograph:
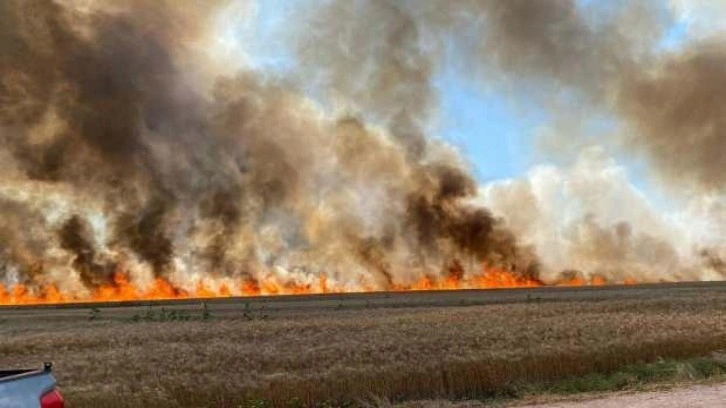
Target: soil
[{"x": 699, "y": 396}]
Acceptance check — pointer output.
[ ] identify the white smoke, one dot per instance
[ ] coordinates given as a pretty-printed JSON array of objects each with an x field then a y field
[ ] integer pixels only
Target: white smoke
[
  {"x": 700, "y": 18},
  {"x": 589, "y": 217}
]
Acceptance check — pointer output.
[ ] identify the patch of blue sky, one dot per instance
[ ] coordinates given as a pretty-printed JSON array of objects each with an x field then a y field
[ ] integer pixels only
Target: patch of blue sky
[
  {"x": 270, "y": 47},
  {"x": 256, "y": 32},
  {"x": 675, "y": 36},
  {"x": 493, "y": 135}
]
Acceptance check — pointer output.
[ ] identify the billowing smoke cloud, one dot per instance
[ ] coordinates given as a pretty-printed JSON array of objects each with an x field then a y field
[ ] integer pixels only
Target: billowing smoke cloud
[
  {"x": 117, "y": 161},
  {"x": 600, "y": 54},
  {"x": 605, "y": 55},
  {"x": 124, "y": 150},
  {"x": 668, "y": 105},
  {"x": 582, "y": 58},
  {"x": 590, "y": 220},
  {"x": 676, "y": 116},
  {"x": 370, "y": 57}
]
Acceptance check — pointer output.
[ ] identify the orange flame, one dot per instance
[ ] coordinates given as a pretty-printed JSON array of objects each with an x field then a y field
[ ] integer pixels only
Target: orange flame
[{"x": 123, "y": 289}]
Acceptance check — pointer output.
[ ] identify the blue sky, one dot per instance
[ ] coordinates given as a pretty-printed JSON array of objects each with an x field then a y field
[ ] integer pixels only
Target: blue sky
[
  {"x": 495, "y": 137},
  {"x": 495, "y": 132}
]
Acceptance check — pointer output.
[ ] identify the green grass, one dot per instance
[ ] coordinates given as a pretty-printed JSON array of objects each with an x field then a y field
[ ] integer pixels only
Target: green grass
[{"x": 631, "y": 377}]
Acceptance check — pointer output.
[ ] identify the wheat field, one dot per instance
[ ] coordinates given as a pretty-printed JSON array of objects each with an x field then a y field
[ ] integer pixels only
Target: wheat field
[{"x": 260, "y": 355}]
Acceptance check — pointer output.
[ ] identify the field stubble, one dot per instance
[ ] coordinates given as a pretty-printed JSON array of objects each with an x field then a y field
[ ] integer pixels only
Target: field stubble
[{"x": 258, "y": 356}]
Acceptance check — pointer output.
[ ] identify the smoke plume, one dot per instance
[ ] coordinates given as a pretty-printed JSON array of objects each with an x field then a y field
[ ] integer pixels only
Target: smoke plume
[
  {"x": 598, "y": 54},
  {"x": 125, "y": 149},
  {"x": 578, "y": 58},
  {"x": 118, "y": 162},
  {"x": 589, "y": 220}
]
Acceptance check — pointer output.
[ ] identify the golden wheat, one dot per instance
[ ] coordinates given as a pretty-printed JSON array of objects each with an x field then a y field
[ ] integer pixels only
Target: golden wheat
[{"x": 396, "y": 354}]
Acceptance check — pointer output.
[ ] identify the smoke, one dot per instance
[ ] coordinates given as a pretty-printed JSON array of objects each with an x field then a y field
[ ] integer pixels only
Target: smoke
[
  {"x": 382, "y": 56},
  {"x": 591, "y": 220},
  {"x": 583, "y": 60},
  {"x": 121, "y": 160},
  {"x": 370, "y": 58},
  {"x": 127, "y": 148},
  {"x": 605, "y": 56},
  {"x": 676, "y": 117},
  {"x": 669, "y": 113}
]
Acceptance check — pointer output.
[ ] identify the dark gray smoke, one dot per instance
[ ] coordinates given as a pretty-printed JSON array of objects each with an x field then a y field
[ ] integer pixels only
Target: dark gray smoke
[
  {"x": 118, "y": 162},
  {"x": 123, "y": 149}
]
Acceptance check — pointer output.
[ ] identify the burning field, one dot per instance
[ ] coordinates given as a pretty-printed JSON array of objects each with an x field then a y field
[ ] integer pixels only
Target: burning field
[
  {"x": 148, "y": 157},
  {"x": 121, "y": 289},
  {"x": 140, "y": 161}
]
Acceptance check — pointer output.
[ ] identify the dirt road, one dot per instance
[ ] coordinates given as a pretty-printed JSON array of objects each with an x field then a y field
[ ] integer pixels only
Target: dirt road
[{"x": 700, "y": 396}]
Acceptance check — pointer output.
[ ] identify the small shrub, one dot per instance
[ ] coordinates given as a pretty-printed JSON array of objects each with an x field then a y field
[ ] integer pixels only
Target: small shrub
[
  {"x": 94, "y": 313},
  {"x": 164, "y": 315},
  {"x": 258, "y": 403}
]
